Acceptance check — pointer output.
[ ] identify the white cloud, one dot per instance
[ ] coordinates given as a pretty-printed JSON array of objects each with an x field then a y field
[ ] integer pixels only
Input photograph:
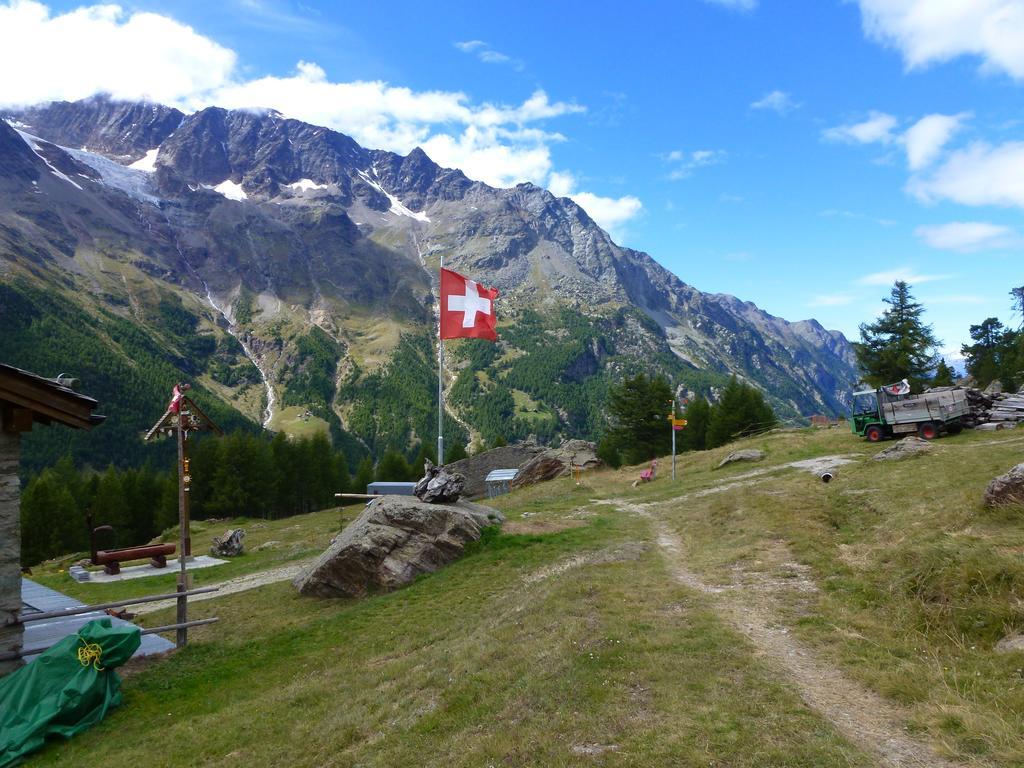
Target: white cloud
[
  {"x": 735, "y": 5},
  {"x": 777, "y": 101},
  {"x": 468, "y": 46},
  {"x": 931, "y": 31},
  {"x": 925, "y": 139},
  {"x": 981, "y": 174},
  {"x": 879, "y": 127},
  {"x": 76, "y": 54},
  {"x": 488, "y": 55},
  {"x": 905, "y": 274},
  {"x": 172, "y": 64},
  {"x": 831, "y": 300},
  {"x": 610, "y": 213},
  {"x": 967, "y": 236},
  {"x": 685, "y": 163}
]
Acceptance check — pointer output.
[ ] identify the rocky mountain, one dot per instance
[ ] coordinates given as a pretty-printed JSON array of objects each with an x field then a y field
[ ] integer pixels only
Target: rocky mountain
[{"x": 234, "y": 239}]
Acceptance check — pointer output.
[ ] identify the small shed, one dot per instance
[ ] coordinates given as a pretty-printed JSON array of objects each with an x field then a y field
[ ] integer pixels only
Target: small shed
[
  {"x": 25, "y": 400},
  {"x": 499, "y": 481},
  {"x": 381, "y": 488}
]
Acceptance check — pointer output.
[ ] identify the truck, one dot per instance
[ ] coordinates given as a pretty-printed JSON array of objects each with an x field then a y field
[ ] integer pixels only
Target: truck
[{"x": 892, "y": 410}]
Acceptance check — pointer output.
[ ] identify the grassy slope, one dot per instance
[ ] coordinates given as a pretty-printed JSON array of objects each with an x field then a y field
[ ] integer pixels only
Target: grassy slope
[{"x": 511, "y": 657}]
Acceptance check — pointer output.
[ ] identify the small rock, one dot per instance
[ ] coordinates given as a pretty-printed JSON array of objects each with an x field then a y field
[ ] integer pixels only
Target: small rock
[
  {"x": 1006, "y": 489},
  {"x": 908, "y": 446},
  {"x": 1010, "y": 643},
  {"x": 230, "y": 544},
  {"x": 438, "y": 485},
  {"x": 747, "y": 454},
  {"x": 272, "y": 544}
]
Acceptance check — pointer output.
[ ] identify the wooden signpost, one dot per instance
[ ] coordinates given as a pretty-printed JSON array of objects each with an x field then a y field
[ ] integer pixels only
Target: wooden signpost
[{"x": 182, "y": 417}]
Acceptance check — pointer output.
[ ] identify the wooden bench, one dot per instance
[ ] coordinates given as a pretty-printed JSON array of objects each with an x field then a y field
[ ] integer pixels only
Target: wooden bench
[{"x": 111, "y": 559}]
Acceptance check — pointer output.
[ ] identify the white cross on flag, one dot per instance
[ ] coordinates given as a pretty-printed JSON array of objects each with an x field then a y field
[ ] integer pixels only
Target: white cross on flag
[{"x": 467, "y": 308}]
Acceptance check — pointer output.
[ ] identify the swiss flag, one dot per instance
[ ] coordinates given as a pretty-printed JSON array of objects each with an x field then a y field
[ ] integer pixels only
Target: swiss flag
[{"x": 467, "y": 308}]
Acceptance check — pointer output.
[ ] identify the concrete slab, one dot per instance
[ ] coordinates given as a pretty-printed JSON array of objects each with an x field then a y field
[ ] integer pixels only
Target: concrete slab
[
  {"x": 97, "y": 576},
  {"x": 36, "y": 598}
]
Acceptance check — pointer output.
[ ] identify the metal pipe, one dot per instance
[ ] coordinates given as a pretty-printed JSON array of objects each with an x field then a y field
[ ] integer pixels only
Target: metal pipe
[
  {"x": 11, "y": 655},
  {"x": 104, "y": 606}
]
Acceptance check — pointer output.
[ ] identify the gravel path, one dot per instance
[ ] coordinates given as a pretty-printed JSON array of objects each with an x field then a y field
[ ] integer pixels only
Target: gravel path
[
  {"x": 237, "y": 584},
  {"x": 862, "y": 716}
]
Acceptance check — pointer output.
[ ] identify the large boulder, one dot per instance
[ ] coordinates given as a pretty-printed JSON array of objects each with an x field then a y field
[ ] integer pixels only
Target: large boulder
[
  {"x": 476, "y": 468},
  {"x": 557, "y": 462},
  {"x": 393, "y": 541},
  {"x": 1006, "y": 489},
  {"x": 908, "y": 446},
  {"x": 746, "y": 454},
  {"x": 538, "y": 469}
]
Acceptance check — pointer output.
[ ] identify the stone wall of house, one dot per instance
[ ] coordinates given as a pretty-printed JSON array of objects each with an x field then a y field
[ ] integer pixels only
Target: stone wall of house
[{"x": 10, "y": 546}]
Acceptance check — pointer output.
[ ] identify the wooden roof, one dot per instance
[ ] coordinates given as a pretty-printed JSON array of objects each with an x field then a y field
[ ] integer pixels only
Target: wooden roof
[{"x": 47, "y": 400}]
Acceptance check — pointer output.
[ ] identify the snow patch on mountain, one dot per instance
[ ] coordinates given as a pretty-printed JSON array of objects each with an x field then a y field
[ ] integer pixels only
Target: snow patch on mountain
[
  {"x": 396, "y": 205},
  {"x": 305, "y": 185},
  {"x": 230, "y": 189},
  {"x": 147, "y": 162},
  {"x": 33, "y": 144}
]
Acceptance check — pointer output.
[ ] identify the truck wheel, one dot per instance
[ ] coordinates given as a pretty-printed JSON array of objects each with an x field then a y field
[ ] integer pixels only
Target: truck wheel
[
  {"x": 928, "y": 431},
  {"x": 874, "y": 434}
]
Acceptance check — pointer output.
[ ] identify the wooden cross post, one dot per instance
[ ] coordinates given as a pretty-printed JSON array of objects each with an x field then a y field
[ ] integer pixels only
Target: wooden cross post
[{"x": 181, "y": 417}]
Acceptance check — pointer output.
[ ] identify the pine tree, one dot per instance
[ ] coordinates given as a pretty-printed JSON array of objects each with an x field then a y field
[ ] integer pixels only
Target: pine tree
[
  {"x": 426, "y": 451},
  {"x": 694, "y": 434},
  {"x": 898, "y": 345},
  {"x": 364, "y": 476},
  {"x": 740, "y": 411},
  {"x": 455, "y": 451},
  {"x": 608, "y": 452},
  {"x": 109, "y": 508},
  {"x": 393, "y": 468},
  {"x": 638, "y": 409},
  {"x": 943, "y": 375}
]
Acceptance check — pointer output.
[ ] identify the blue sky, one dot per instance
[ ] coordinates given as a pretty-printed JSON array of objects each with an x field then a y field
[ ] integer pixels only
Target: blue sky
[{"x": 800, "y": 154}]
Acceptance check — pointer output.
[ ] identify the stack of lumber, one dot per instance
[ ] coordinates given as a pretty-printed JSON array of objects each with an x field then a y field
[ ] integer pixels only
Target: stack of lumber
[
  {"x": 1007, "y": 409},
  {"x": 991, "y": 410}
]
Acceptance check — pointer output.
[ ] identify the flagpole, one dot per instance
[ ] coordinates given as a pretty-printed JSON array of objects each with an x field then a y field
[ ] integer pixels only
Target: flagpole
[{"x": 440, "y": 373}]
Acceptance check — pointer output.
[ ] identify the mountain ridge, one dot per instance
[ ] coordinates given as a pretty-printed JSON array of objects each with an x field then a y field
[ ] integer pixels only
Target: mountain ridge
[{"x": 279, "y": 226}]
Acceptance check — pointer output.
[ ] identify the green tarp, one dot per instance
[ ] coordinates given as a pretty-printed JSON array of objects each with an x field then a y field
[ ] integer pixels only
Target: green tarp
[{"x": 69, "y": 688}]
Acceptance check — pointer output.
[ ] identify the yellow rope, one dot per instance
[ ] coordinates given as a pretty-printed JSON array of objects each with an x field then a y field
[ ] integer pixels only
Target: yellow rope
[{"x": 89, "y": 653}]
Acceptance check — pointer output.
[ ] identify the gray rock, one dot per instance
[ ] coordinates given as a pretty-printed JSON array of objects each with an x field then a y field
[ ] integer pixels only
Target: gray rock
[
  {"x": 393, "y": 541},
  {"x": 908, "y": 446},
  {"x": 747, "y": 454},
  {"x": 1010, "y": 643},
  {"x": 1006, "y": 489},
  {"x": 538, "y": 469},
  {"x": 995, "y": 388},
  {"x": 558, "y": 462},
  {"x": 476, "y": 468},
  {"x": 229, "y": 544},
  {"x": 439, "y": 485}
]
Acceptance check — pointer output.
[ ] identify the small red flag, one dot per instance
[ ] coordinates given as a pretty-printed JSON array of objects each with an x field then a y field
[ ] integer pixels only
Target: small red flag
[
  {"x": 467, "y": 308},
  {"x": 177, "y": 393}
]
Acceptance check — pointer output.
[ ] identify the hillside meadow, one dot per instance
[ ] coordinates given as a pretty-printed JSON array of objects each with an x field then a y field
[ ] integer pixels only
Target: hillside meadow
[{"x": 606, "y": 625}]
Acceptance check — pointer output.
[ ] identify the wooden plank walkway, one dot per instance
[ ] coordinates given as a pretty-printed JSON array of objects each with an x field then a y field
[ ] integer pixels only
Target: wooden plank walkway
[{"x": 36, "y": 598}]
